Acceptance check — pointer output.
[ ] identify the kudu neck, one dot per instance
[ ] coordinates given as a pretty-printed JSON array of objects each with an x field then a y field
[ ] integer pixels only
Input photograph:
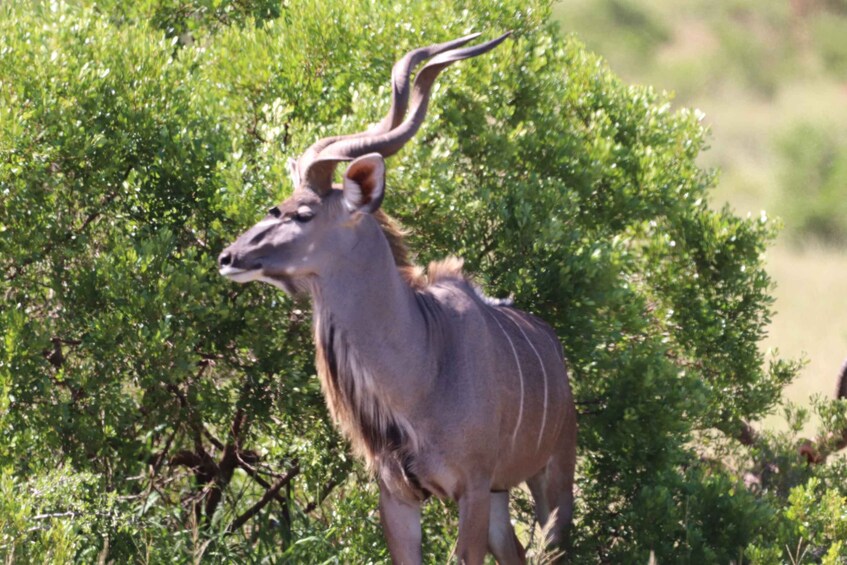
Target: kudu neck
[{"x": 367, "y": 301}]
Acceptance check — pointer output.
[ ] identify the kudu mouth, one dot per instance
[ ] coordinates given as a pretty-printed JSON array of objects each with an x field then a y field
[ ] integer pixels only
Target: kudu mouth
[
  {"x": 241, "y": 275},
  {"x": 228, "y": 267}
]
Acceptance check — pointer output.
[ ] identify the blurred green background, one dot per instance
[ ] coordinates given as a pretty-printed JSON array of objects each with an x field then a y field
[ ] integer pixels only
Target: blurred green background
[{"x": 770, "y": 79}]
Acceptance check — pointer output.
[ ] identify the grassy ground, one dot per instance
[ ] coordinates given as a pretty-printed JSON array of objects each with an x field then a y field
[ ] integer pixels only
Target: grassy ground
[
  {"x": 811, "y": 319},
  {"x": 757, "y": 69}
]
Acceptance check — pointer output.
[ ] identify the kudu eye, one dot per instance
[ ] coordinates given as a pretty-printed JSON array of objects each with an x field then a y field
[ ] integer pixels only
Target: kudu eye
[
  {"x": 303, "y": 215},
  {"x": 275, "y": 212}
]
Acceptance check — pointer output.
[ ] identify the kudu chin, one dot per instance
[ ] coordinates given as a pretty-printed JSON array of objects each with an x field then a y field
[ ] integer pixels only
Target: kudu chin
[{"x": 442, "y": 391}]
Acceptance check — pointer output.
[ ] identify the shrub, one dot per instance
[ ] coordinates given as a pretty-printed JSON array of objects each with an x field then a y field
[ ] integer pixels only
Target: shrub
[
  {"x": 813, "y": 181},
  {"x": 828, "y": 41}
]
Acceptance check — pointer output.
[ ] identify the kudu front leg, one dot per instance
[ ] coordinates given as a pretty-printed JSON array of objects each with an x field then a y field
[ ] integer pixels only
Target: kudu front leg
[
  {"x": 472, "y": 545},
  {"x": 401, "y": 522},
  {"x": 502, "y": 541}
]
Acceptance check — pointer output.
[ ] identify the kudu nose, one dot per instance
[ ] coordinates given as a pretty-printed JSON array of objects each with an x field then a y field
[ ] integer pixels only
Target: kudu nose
[{"x": 224, "y": 259}]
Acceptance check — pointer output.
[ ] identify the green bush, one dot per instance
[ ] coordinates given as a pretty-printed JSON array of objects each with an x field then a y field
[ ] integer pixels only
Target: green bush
[
  {"x": 51, "y": 517},
  {"x": 809, "y": 503},
  {"x": 829, "y": 40},
  {"x": 137, "y": 140},
  {"x": 813, "y": 180}
]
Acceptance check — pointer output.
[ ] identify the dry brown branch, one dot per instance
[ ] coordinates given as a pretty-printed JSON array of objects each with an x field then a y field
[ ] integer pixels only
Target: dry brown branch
[{"x": 269, "y": 495}]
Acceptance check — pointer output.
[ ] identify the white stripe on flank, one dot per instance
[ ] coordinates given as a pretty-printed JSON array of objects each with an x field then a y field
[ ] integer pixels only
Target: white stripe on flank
[
  {"x": 520, "y": 376},
  {"x": 560, "y": 353},
  {"x": 543, "y": 372}
]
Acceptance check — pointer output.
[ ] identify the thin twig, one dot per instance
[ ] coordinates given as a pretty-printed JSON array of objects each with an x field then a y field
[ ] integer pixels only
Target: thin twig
[
  {"x": 262, "y": 482},
  {"x": 69, "y": 514},
  {"x": 329, "y": 486}
]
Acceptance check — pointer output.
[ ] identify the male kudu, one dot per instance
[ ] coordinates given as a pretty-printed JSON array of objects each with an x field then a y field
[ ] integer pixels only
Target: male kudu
[{"x": 441, "y": 390}]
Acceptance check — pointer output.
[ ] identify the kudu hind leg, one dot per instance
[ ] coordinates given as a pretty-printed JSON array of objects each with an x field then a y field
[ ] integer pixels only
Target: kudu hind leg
[
  {"x": 552, "y": 491},
  {"x": 536, "y": 488},
  {"x": 502, "y": 541},
  {"x": 559, "y": 494}
]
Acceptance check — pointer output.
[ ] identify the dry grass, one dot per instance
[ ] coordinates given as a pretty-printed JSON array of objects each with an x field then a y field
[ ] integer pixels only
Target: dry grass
[{"x": 811, "y": 318}]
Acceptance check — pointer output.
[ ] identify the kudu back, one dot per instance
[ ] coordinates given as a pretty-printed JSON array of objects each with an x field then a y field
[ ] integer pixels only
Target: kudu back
[{"x": 441, "y": 390}]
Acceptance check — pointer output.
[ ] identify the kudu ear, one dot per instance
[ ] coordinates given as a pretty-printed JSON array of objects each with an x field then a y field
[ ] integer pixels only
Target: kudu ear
[
  {"x": 364, "y": 183},
  {"x": 294, "y": 173}
]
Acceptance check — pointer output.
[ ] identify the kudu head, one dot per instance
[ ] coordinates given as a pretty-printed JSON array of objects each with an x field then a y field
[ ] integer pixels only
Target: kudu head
[{"x": 319, "y": 224}]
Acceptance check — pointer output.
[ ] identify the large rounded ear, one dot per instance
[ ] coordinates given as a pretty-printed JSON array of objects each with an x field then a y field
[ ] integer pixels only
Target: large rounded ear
[
  {"x": 294, "y": 173},
  {"x": 364, "y": 183}
]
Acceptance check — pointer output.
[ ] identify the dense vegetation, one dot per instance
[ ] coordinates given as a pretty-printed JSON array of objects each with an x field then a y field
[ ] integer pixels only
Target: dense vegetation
[{"x": 150, "y": 411}]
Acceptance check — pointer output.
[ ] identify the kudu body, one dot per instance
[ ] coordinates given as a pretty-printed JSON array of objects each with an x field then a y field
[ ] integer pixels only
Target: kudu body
[{"x": 441, "y": 390}]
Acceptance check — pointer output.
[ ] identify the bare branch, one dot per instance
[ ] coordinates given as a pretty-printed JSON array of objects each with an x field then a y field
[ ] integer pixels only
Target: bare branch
[
  {"x": 228, "y": 463},
  {"x": 212, "y": 439},
  {"x": 162, "y": 455},
  {"x": 252, "y": 472},
  {"x": 269, "y": 495}
]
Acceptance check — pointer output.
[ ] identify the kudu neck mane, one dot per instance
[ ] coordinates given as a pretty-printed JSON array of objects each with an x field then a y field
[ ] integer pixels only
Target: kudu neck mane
[
  {"x": 396, "y": 237},
  {"x": 413, "y": 274}
]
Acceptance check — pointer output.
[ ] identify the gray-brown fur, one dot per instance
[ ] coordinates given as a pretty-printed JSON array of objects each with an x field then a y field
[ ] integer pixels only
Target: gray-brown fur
[{"x": 440, "y": 389}]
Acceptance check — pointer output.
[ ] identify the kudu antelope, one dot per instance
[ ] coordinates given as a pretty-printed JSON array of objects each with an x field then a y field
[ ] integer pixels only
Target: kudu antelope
[{"x": 441, "y": 390}]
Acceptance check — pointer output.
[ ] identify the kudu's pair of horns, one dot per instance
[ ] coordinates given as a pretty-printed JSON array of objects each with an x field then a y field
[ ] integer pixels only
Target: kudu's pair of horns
[{"x": 316, "y": 166}]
